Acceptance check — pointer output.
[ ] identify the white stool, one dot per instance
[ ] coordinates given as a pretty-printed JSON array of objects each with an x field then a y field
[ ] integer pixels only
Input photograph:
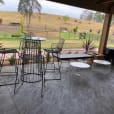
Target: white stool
[
  {"x": 102, "y": 62},
  {"x": 79, "y": 65}
]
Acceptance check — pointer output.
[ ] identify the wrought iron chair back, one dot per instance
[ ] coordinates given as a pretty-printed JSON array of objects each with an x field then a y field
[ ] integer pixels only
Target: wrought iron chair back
[
  {"x": 55, "y": 49},
  {"x": 58, "y": 46}
]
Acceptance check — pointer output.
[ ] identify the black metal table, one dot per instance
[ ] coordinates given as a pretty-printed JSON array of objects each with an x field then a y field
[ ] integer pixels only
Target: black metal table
[
  {"x": 73, "y": 56},
  {"x": 68, "y": 57}
]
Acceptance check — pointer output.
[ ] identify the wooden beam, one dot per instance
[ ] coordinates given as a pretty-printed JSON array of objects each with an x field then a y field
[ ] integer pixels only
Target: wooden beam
[
  {"x": 104, "y": 1},
  {"x": 105, "y": 33}
]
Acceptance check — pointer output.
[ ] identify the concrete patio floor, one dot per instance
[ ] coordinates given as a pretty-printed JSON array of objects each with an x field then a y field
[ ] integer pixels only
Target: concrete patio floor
[{"x": 91, "y": 93}]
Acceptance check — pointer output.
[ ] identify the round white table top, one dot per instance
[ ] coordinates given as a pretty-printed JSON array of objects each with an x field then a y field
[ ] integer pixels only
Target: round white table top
[
  {"x": 79, "y": 64},
  {"x": 103, "y": 62},
  {"x": 36, "y": 38}
]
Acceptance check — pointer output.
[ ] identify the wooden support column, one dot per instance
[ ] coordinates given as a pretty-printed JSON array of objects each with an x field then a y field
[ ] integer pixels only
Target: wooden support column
[{"x": 105, "y": 33}]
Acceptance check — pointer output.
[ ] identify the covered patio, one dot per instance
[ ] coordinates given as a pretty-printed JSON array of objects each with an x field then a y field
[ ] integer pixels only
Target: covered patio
[{"x": 91, "y": 93}]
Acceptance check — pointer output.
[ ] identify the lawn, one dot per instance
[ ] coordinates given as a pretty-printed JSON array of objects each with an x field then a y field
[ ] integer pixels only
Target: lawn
[
  {"x": 54, "y": 27},
  {"x": 13, "y": 42}
]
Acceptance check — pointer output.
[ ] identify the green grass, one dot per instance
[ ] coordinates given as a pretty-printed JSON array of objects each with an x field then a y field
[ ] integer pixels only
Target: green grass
[
  {"x": 8, "y": 41},
  {"x": 8, "y": 37},
  {"x": 72, "y": 36},
  {"x": 69, "y": 36},
  {"x": 13, "y": 42}
]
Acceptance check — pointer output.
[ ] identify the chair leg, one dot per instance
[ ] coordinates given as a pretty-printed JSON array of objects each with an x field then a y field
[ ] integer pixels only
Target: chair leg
[
  {"x": 53, "y": 62},
  {"x": 15, "y": 85},
  {"x": 16, "y": 80},
  {"x": 2, "y": 61},
  {"x": 59, "y": 67},
  {"x": 42, "y": 88}
]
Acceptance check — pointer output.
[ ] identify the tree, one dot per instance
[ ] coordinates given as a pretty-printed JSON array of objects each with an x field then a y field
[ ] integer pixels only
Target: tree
[
  {"x": 98, "y": 17},
  {"x": 75, "y": 30},
  {"x": 26, "y": 8},
  {"x": 89, "y": 15}
]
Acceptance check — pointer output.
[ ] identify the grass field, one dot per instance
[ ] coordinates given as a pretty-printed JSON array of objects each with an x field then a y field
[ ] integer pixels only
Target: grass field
[
  {"x": 49, "y": 26},
  {"x": 13, "y": 42}
]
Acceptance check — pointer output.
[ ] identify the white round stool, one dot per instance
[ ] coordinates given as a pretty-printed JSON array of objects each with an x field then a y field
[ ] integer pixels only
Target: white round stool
[
  {"x": 79, "y": 65},
  {"x": 102, "y": 62}
]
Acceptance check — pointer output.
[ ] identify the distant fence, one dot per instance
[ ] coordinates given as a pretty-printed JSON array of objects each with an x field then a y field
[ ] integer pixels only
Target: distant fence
[
  {"x": 37, "y": 31},
  {"x": 47, "y": 32},
  {"x": 72, "y": 45},
  {"x": 12, "y": 27}
]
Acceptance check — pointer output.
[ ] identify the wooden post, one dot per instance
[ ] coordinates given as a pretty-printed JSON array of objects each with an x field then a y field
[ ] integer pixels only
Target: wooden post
[{"x": 105, "y": 33}]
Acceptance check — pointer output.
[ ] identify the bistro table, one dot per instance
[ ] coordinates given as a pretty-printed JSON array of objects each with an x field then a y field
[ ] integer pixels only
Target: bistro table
[
  {"x": 32, "y": 61},
  {"x": 39, "y": 38},
  {"x": 35, "y": 38},
  {"x": 31, "y": 58}
]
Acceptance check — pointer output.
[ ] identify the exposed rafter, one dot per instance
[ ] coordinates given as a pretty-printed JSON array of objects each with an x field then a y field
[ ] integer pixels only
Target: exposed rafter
[
  {"x": 97, "y": 5},
  {"x": 104, "y": 1}
]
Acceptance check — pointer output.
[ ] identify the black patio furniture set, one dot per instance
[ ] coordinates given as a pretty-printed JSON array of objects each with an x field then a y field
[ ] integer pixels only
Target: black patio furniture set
[{"x": 32, "y": 66}]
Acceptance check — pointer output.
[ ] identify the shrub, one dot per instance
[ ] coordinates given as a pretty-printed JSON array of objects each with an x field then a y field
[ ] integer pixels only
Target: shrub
[
  {"x": 90, "y": 30},
  {"x": 12, "y": 60},
  {"x": 0, "y": 21},
  {"x": 88, "y": 45},
  {"x": 22, "y": 25},
  {"x": 75, "y": 29},
  {"x": 82, "y": 35},
  {"x": 66, "y": 18},
  {"x": 17, "y": 34},
  {"x": 48, "y": 57}
]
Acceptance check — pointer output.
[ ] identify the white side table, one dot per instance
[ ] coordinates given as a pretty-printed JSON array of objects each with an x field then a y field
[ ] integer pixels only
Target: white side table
[
  {"x": 102, "y": 62},
  {"x": 79, "y": 65}
]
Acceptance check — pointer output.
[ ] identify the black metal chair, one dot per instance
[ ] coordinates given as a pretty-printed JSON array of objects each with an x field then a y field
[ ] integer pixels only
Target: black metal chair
[
  {"x": 55, "y": 51},
  {"x": 9, "y": 72},
  {"x": 33, "y": 66}
]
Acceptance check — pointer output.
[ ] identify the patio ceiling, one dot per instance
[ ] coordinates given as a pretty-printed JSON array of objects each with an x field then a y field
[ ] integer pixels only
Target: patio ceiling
[{"x": 97, "y": 5}]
